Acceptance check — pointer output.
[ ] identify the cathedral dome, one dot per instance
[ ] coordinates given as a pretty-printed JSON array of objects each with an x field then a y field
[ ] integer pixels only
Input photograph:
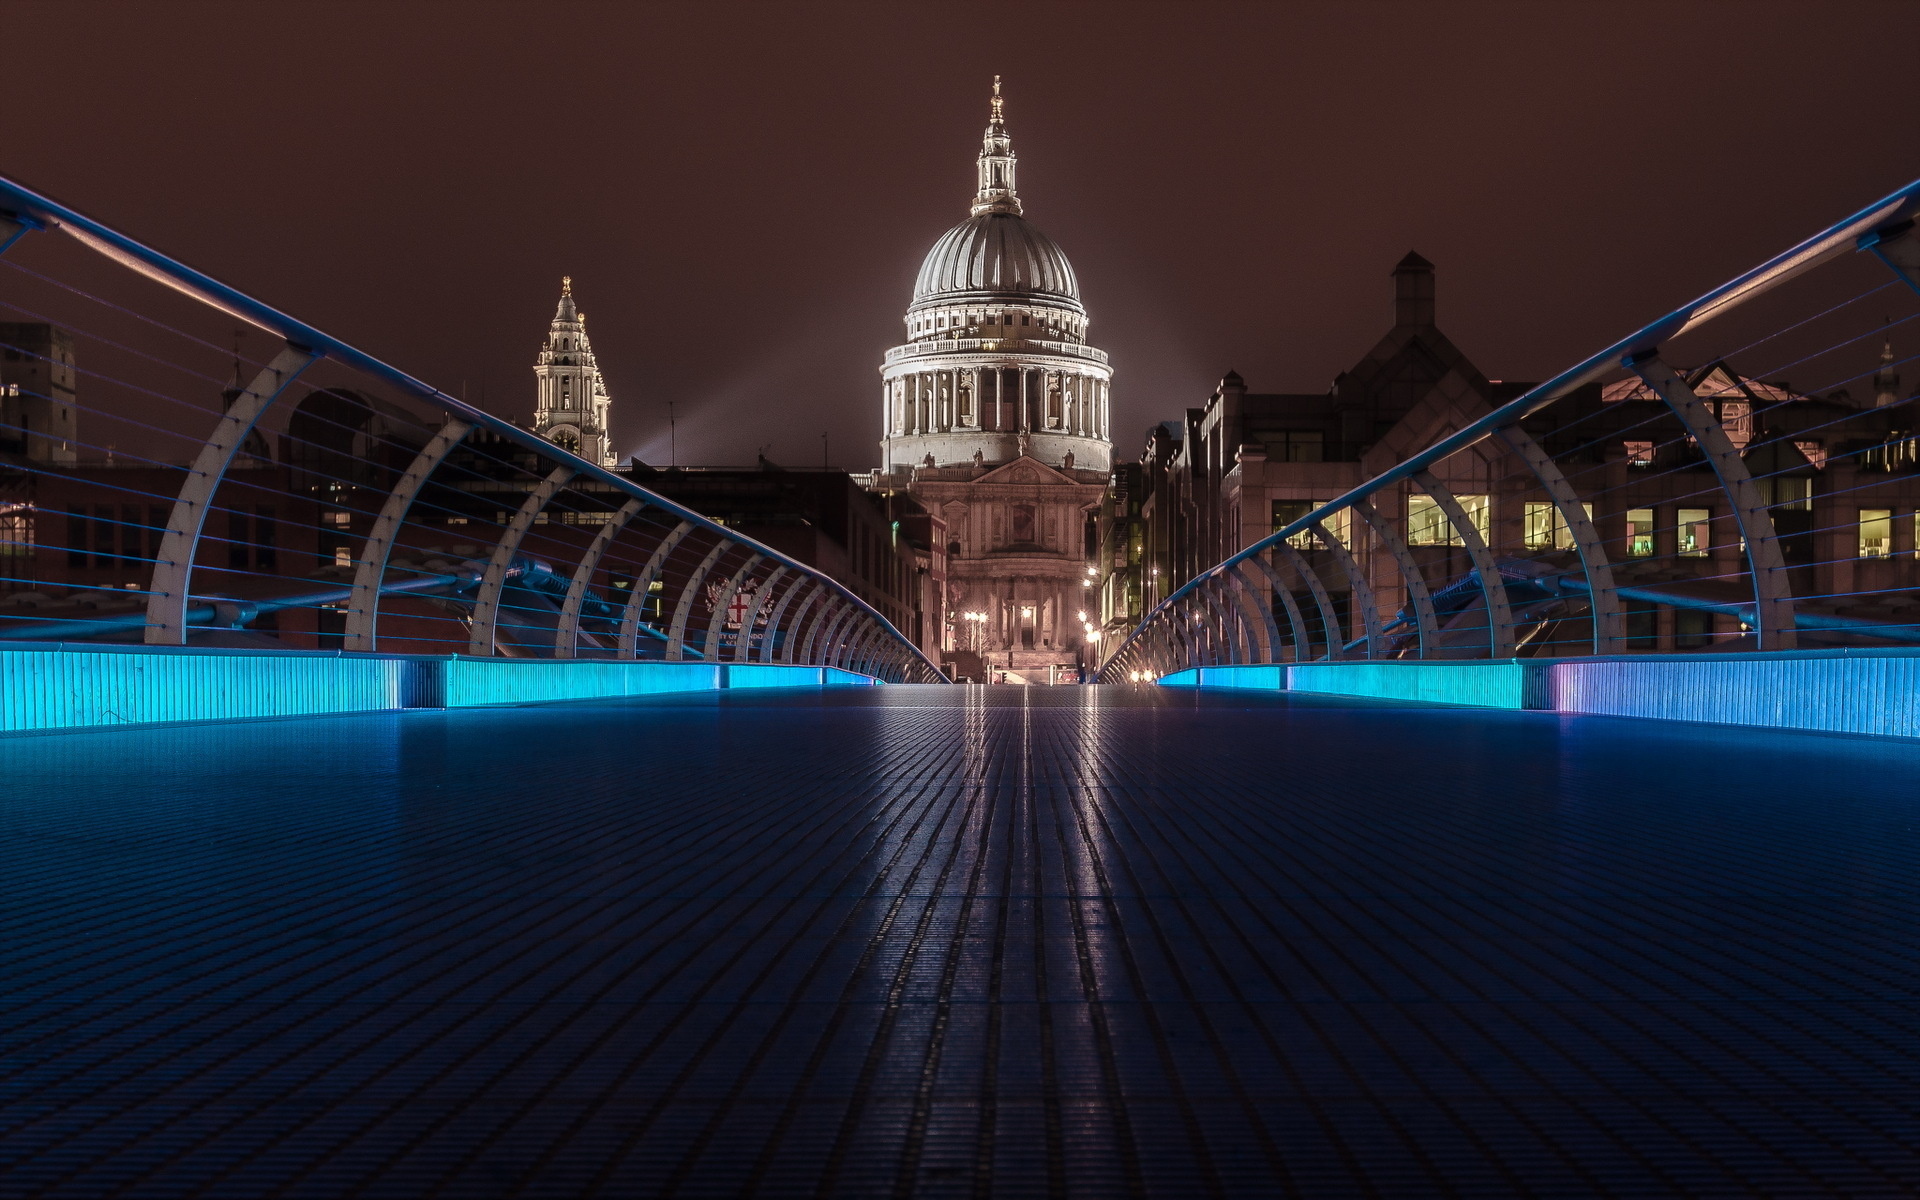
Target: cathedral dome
[{"x": 996, "y": 255}]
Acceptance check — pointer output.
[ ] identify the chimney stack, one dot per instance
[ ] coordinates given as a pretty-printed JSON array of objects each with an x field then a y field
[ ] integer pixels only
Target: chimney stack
[{"x": 1413, "y": 291}]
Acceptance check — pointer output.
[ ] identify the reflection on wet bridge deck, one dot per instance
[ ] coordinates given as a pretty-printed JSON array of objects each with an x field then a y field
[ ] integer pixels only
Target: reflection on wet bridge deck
[{"x": 957, "y": 942}]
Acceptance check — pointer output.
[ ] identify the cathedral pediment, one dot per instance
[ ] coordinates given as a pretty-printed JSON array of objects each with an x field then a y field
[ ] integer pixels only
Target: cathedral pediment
[{"x": 1025, "y": 470}]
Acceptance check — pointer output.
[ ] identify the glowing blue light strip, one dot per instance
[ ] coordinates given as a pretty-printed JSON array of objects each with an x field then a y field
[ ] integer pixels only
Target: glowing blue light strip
[{"x": 55, "y": 686}]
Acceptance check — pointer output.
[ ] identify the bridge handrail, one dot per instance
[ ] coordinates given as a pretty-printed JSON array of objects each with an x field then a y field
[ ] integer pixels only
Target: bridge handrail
[
  {"x": 18, "y": 201},
  {"x": 1883, "y": 220}
]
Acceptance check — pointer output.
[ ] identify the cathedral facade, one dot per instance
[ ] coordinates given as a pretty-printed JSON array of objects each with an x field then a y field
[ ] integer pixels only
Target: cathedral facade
[
  {"x": 995, "y": 418},
  {"x": 571, "y": 403}
]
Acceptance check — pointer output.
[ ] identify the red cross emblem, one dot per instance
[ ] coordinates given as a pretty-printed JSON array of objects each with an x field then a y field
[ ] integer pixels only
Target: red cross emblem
[{"x": 737, "y": 608}]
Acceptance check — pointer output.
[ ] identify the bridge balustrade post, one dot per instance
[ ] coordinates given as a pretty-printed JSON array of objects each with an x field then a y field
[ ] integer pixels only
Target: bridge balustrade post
[
  {"x": 1492, "y": 587},
  {"x": 1773, "y": 619},
  {"x": 486, "y": 603},
  {"x": 370, "y": 571},
  {"x": 172, "y": 579}
]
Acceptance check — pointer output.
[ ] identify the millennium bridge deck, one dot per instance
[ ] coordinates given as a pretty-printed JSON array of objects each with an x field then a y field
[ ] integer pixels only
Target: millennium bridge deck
[{"x": 958, "y": 942}]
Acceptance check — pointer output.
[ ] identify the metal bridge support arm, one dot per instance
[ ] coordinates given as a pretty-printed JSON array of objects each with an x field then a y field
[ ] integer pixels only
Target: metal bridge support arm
[
  {"x": 628, "y": 645},
  {"x": 1186, "y": 641},
  {"x": 1773, "y": 622},
  {"x": 716, "y": 624},
  {"x": 1170, "y": 647},
  {"x": 826, "y": 627},
  {"x": 775, "y": 643},
  {"x": 1259, "y": 614},
  {"x": 683, "y": 609},
  {"x": 1604, "y": 601},
  {"x": 1245, "y": 637},
  {"x": 13, "y": 227},
  {"x": 852, "y": 639},
  {"x": 1246, "y": 645},
  {"x": 1329, "y": 620},
  {"x": 486, "y": 604},
  {"x": 820, "y": 635},
  {"x": 363, "y": 606},
  {"x": 873, "y": 653},
  {"x": 566, "y": 639},
  {"x": 1296, "y": 621},
  {"x": 173, "y": 566},
  {"x": 743, "y": 649},
  {"x": 1202, "y": 631},
  {"x": 1898, "y": 247},
  {"x": 1492, "y": 587},
  {"x": 1425, "y": 623},
  {"x": 1217, "y": 621},
  {"x": 1358, "y": 587}
]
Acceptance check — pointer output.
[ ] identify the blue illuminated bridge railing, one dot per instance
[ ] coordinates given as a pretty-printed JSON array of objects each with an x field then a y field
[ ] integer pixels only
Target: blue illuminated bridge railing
[
  {"x": 1739, "y": 477},
  {"x": 182, "y": 465}
]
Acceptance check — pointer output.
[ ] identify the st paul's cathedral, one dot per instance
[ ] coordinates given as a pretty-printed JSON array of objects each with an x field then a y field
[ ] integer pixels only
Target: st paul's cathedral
[{"x": 996, "y": 420}]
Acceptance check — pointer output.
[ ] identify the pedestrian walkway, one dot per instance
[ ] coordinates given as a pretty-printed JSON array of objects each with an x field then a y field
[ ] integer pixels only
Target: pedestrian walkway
[{"x": 939, "y": 941}]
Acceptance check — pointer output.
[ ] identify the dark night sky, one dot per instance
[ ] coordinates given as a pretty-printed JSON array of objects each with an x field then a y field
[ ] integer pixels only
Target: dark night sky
[{"x": 743, "y": 194}]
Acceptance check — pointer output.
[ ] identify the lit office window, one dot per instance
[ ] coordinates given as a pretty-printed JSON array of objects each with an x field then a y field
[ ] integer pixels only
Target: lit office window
[
  {"x": 1695, "y": 540},
  {"x": 1286, "y": 512},
  {"x": 1639, "y": 454},
  {"x": 16, "y": 530},
  {"x": 1543, "y": 527},
  {"x": 1427, "y": 524},
  {"x": 1876, "y": 532},
  {"x": 1640, "y": 533},
  {"x": 1536, "y": 529}
]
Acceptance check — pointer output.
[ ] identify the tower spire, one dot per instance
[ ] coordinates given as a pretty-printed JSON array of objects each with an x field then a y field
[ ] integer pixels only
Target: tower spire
[
  {"x": 1886, "y": 381},
  {"x": 996, "y": 194}
]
